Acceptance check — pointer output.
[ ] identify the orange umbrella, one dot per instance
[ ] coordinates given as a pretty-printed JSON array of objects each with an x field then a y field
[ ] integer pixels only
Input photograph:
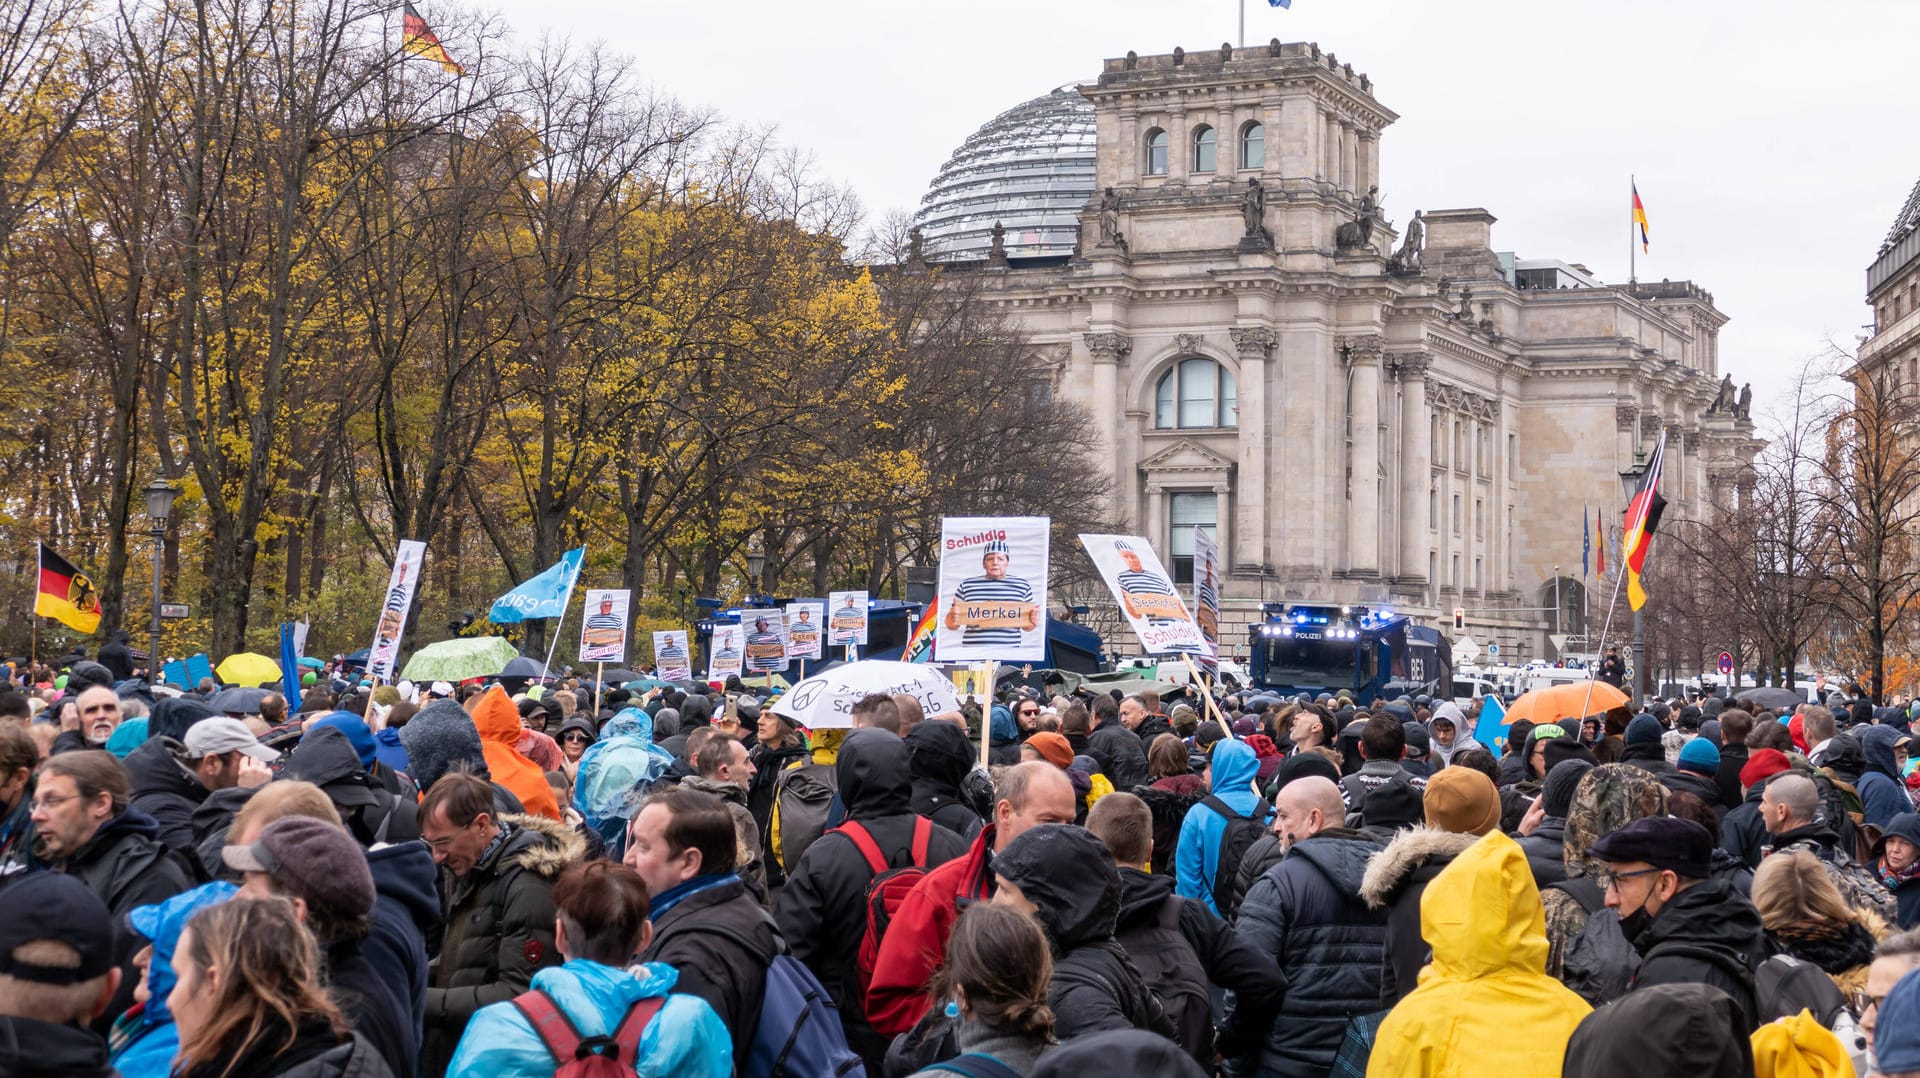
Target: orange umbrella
[{"x": 1569, "y": 701}]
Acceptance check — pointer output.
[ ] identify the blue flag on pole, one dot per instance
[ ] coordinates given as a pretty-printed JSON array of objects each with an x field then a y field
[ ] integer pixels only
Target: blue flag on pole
[
  {"x": 1280, "y": 3},
  {"x": 1586, "y": 541},
  {"x": 1491, "y": 728},
  {"x": 543, "y": 596},
  {"x": 289, "y": 668}
]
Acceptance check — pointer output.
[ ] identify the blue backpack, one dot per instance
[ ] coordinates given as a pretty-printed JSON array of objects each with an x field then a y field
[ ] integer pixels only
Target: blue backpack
[{"x": 798, "y": 1034}]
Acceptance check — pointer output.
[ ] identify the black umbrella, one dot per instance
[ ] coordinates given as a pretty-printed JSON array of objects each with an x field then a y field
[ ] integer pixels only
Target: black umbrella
[
  {"x": 521, "y": 667},
  {"x": 238, "y": 701},
  {"x": 1772, "y": 696},
  {"x": 616, "y": 677}
]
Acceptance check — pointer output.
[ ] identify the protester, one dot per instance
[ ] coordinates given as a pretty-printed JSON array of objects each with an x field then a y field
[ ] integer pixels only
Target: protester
[
  {"x": 498, "y": 875},
  {"x": 1898, "y": 866},
  {"x": 440, "y": 739},
  {"x": 1667, "y": 1031},
  {"x": 1894, "y": 958},
  {"x": 725, "y": 772},
  {"x": 1206, "y": 857},
  {"x": 1119, "y": 753},
  {"x": 57, "y": 976},
  {"x": 939, "y": 758},
  {"x": 1460, "y": 806},
  {"x": 1883, "y": 784},
  {"x": 1897, "y": 1049},
  {"x": 498, "y": 722},
  {"x": 994, "y": 981},
  {"x": 1735, "y": 726},
  {"x": 1031, "y": 794},
  {"x": 327, "y": 758},
  {"x": 1065, "y": 879},
  {"x": 601, "y": 911},
  {"x": 1744, "y": 833},
  {"x": 575, "y": 735},
  {"x": 1305, "y": 914},
  {"x": 1696, "y": 771},
  {"x": 1607, "y": 798},
  {"x": 145, "y": 1039},
  {"x": 1805, "y": 917},
  {"x": 1688, "y": 926},
  {"x": 822, "y": 910},
  {"x": 1486, "y": 1004},
  {"x": 1544, "y": 842},
  {"x": 1792, "y": 810},
  {"x": 249, "y": 1000},
  {"x": 96, "y": 715},
  {"x": 18, "y": 758}
]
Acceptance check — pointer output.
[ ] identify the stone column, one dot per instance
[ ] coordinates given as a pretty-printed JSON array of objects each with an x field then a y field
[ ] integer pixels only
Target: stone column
[
  {"x": 1363, "y": 484},
  {"x": 1416, "y": 461},
  {"x": 1254, "y": 345},
  {"x": 1179, "y": 149},
  {"x": 1130, "y": 163},
  {"x": 1348, "y": 148},
  {"x": 1626, "y": 419},
  {"x": 1330, "y": 151},
  {"x": 1369, "y": 161},
  {"x": 1273, "y": 114},
  {"x": 1107, "y": 350},
  {"x": 1156, "y": 515}
]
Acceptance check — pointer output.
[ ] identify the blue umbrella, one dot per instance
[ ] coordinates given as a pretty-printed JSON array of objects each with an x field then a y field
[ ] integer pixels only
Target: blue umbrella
[{"x": 311, "y": 663}]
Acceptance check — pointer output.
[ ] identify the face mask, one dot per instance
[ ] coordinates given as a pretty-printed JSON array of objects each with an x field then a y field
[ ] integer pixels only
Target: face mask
[{"x": 1635, "y": 923}]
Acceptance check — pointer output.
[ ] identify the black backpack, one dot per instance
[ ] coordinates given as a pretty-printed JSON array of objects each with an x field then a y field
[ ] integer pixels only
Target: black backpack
[
  {"x": 1240, "y": 835},
  {"x": 1170, "y": 967},
  {"x": 1598, "y": 965},
  {"x": 1784, "y": 986}
]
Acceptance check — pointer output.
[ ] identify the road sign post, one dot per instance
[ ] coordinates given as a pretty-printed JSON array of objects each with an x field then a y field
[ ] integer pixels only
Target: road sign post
[{"x": 1726, "y": 663}]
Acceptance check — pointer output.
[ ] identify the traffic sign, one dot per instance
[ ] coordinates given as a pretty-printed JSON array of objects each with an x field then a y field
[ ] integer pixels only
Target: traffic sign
[
  {"x": 1493, "y": 651},
  {"x": 1726, "y": 663},
  {"x": 175, "y": 610}
]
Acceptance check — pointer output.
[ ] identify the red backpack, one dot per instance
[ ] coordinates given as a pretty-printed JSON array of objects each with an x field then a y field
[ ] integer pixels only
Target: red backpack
[
  {"x": 615, "y": 1055},
  {"x": 886, "y": 890}
]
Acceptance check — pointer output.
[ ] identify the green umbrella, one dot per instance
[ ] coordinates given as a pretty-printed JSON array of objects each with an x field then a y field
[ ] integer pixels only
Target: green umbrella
[{"x": 458, "y": 660}]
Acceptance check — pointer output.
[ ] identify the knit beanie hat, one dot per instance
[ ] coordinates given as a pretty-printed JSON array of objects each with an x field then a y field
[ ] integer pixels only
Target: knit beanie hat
[
  {"x": 1562, "y": 749},
  {"x": 1644, "y": 730},
  {"x": 440, "y": 739},
  {"x": 1763, "y": 765},
  {"x": 1562, "y": 779},
  {"x": 1700, "y": 756},
  {"x": 1053, "y": 748},
  {"x": 1462, "y": 800}
]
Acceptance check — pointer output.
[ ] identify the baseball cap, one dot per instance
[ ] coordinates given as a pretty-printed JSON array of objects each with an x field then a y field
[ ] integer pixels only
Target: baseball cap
[
  {"x": 51, "y": 906},
  {"x": 440, "y": 689},
  {"x": 221, "y": 734}
]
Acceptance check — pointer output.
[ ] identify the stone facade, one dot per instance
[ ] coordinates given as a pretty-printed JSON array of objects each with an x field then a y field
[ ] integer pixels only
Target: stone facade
[
  {"x": 1364, "y": 424},
  {"x": 1893, "y": 289}
]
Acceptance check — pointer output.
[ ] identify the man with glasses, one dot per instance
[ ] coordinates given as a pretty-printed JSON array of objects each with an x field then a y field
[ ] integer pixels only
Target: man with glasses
[
  {"x": 1689, "y": 925},
  {"x": 1893, "y": 958}
]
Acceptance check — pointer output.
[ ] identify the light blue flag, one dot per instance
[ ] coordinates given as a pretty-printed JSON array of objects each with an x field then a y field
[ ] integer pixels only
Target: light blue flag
[
  {"x": 1288, "y": 4},
  {"x": 1491, "y": 728},
  {"x": 543, "y": 596},
  {"x": 289, "y": 669}
]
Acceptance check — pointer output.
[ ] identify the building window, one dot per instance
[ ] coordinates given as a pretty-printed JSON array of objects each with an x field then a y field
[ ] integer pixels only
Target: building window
[
  {"x": 1456, "y": 514},
  {"x": 1196, "y": 393},
  {"x": 1433, "y": 508},
  {"x": 1156, "y": 152},
  {"x": 1433, "y": 569},
  {"x": 1513, "y": 455},
  {"x": 1253, "y": 146},
  {"x": 1479, "y": 519},
  {"x": 1453, "y": 581},
  {"x": 1186, "y": 512},
  {"x": 1203, "y": 149}
]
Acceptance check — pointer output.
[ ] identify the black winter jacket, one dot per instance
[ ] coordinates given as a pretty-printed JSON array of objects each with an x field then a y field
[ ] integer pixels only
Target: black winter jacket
[
  {"x": 1546, "y": 851},
  {"x": 1708, "y": 934},
  {"x": 822, "y": 909},
  {"x": 1396, "y": 878},
  {"x": 1732, "y": 759},
  {"x": 1648, "y": 756},
  {"x": 405, "y": 929},
  {"x": 701, "y": 937},
  {"x": 1151, "y": 727},
  {"x": 939, "y": 757},
  {"x": 1117, "y": 750},
  {"x": 164, "y": 789},
  {"x": 375, "y": 1007},
  {"x": 1743, "y": 833},
  {"x": 1305, "y": 914},
  {"x": 30, "y": 1049},
  {"x": 1704, "y": 787},
  {"x": 126, "y": 865},
  {"x": 1258, "y": 986}
]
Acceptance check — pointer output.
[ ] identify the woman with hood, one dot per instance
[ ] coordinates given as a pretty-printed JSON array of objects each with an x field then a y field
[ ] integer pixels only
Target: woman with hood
[
  {"x": 1805, "y": 917},
  {"x": 498, "y": 721},
  {"x": 1203, "y": 833},
  {"x": 1883, "y": 791},
  {"x": 939, "y": 756},
  {"x": 144, "y": 1040},
  {"x": 1482, "y": 917},
  {"x": 575, "y": 735},
  {"x": 1898, "y": 866}
]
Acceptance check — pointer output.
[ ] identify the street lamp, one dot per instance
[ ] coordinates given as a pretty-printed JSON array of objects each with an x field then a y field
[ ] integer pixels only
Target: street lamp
[
  {"x": 159, "y": 496},
  {"x": 1629, "y": 486},
  {"x": 756, "y": 564}
]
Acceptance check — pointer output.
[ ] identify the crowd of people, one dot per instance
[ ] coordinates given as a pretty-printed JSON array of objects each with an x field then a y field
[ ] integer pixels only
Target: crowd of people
[{"x": 508, "y": 878}]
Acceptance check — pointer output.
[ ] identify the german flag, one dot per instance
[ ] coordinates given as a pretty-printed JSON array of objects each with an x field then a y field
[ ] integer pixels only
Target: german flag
[
  {"x": 1643, "y": 517},
  {"x": 1639, "y": 218},
  {"x": 66, "y": 594},
  {"x": 418, "y": 39}
]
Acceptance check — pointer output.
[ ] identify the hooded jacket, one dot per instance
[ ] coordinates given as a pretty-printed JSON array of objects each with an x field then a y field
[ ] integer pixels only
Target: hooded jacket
[
  {"x": 30, "y": 1049},
  {"x": 1396, "y": 879},
  {"x": 439, "y": 739},
  {"x": 1743, "y": 833},
  {"x": 749, "y": 862},
  {"x": 1197, "y": 857},
  {"x": 1706, "y": 934},
  {"x": 405, "y": 928},
  {"x": 145, "y": 1039},
  {"x": 499, "y": 927},
  {"x": 327, "y": 758},
  {"x": 916, "y": 939},
  {"x": 1485, "y": 1005},
  {"x": 163, "y": 788},
  {"x": 1883, "y": 791},
  {"x": 1306, "y": 914},
  {"x": 1117, "y": 750},
  {"x": 1443, "y": 754},
  {"x": 822, "y": 909},
  {"x": 720, "y": 942},
  {"x": 623, "y": 762},
  {"x": 499, "y": 724},
  {"x": 125, "y": 864},
  {"x": 939, "y": 757},
  {"x": 1070, "y": 878},
  {"x": 685, "y": 1039},
  {"x": 1672, "y": 1031}
]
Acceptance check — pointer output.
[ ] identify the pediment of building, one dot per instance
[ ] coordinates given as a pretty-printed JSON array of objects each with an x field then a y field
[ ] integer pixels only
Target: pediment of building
[{"x": 1186, "y": 462}]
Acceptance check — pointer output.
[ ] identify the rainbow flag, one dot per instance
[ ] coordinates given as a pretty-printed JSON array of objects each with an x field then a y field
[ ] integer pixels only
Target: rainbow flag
[
  {"x": 1639, "y": 216},
  {"x": 919, "y": 647},
  {"x": 418, "y": 39}
]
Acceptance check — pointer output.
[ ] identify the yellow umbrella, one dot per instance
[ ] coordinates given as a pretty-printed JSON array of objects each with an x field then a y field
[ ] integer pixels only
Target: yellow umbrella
[
  {"x": 1569, "y": 701},
  {"x": 247, "y": 668}
]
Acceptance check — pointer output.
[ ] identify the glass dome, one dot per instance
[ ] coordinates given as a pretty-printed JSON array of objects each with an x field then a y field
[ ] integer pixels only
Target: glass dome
[{"x": 1030, "y": 168}]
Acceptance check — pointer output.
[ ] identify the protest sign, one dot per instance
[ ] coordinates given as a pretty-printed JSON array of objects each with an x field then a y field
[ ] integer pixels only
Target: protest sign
[
  {"x": 672, "y": 659},
  {"x": 803, "y": 630},
  {"x": 766, "y": 642},
  {"x": 992, "y": 589},
  {"x": 848, "y": 618},
  {"x": 1206, "y": 596},
  {"x": 1146, "y": 594},
  {"x": 603, "y": 632},
  {"x": 384, "y": 653},
  {"x": 724, "y": 654}
]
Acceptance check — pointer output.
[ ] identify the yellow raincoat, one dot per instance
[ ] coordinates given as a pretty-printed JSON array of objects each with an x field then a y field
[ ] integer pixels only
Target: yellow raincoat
[{"x": 1485, "y": 1005}]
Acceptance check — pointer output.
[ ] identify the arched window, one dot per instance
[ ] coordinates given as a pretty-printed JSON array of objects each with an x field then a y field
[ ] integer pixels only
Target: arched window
[
  {"x": 1253, "y": 146},
  {"x": 1203, "y": 149},
  {"x": 1196, "y": 393},
  {"x": 1156, "y": 152}
]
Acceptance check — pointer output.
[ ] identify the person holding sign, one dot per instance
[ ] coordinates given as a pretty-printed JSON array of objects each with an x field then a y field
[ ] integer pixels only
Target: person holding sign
[
  {"x": 1147, "y": 594},
  {"x": 993, "y": 607}
]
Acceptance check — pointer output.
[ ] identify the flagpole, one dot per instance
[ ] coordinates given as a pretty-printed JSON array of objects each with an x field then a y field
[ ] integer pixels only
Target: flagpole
[
  {"x": 561, "y": 619},
  {"x": 1633, "y": 264},
  {"x": 1243, "y": 23}
]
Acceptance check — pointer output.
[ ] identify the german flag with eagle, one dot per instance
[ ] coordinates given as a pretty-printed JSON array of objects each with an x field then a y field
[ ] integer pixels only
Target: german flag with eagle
[{"x": 65, "y": 593}]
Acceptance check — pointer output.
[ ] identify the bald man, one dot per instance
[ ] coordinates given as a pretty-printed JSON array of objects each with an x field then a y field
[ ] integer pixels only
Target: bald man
[
  {"x": 1306, "y": 915},
  {"x": 1790, "y": 807},
  {"x": 1030, "y": 794}
]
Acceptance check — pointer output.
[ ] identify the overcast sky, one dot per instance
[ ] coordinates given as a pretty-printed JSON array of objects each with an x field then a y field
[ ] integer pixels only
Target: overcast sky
[{"x": 1773, "y": 140}]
